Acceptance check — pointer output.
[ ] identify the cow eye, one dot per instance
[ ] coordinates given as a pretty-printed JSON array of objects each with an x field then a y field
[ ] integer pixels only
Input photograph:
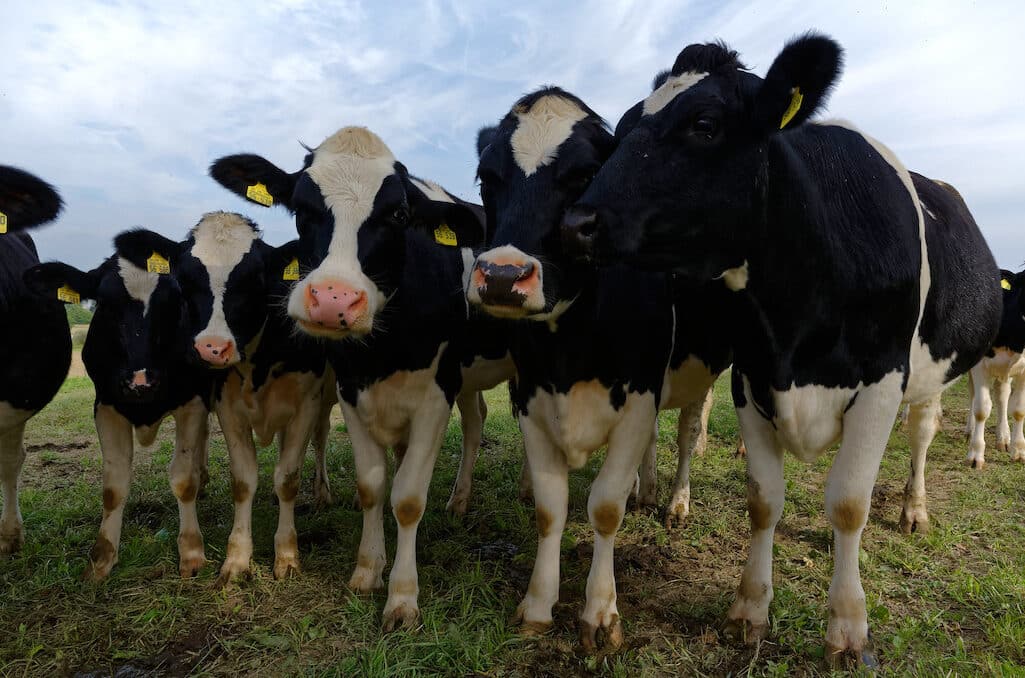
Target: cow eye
[
  {"x": 400, "y": 216},
  {"x": 705, "y": 127}
]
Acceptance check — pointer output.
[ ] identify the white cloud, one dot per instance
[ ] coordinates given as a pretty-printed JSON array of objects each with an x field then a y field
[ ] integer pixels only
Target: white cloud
[{"x": 123, "y": 106}]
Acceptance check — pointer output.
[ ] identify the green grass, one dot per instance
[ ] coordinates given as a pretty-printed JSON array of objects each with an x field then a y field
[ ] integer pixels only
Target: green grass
[
  {"x": 946, "y": 603},
  {"x": 78, "y": 314}
]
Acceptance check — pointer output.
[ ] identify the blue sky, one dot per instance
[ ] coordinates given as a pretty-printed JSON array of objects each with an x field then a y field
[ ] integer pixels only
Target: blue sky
[{"x": 123, "y": 106}]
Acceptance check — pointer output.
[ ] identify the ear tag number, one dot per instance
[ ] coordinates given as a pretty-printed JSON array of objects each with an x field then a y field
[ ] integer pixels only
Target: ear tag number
[
  {"x": 291, "y": 271},
  {"x": 795, "y": 103},
  {"x": 157, "y": 264},
  {"x": 443, "y": 235},
  {"x": 68, "y": 295},
  {"x": 3, "y": 222},
  {"x": 1005, "y": 283},
  {"x": 258, "y": 193}
]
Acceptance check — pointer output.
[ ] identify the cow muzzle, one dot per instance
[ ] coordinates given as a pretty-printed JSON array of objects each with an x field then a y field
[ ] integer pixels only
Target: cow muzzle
[
  {"x": 506, "y": 283},
  {"x": 216, "y": 351},
  {"x": 140, "y": 385},
  {"x": 335, "y": 305},
  {"x": 578, "y": 230}
]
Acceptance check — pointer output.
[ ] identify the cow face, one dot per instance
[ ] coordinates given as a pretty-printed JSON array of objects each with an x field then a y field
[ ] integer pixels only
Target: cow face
[
  {"x": 534, "y": 165},
  {"x": 680, "y": 191},
  {"x": 25, "y": 200},
  {"x": 228, "y": 277},
  {"x": 354, "y": 207},
  {"x": 136, "y": 328}
]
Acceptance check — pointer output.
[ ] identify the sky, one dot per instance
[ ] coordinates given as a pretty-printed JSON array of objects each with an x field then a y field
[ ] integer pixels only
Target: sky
[{"x": 123, "y": 106}]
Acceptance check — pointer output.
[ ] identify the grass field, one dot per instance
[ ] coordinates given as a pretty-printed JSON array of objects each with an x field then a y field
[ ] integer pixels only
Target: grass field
[{"x": 948, "y": 602}]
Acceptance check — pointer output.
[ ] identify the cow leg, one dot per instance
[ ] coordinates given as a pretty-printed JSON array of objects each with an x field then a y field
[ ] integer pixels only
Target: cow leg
[
  {"x": 12, "y": 457},
  {"x": 1003, "y": 430},
  {"x": 115, "y": 433},
  {"x": 472, "y": 412},
  {"x": 970, "y": 421},
  {"x": 287, "y": 477},
  {"x": 647, "y": 476},
  {"x": 550, "y": 480},
  {"x": 981, "y": 406},
  {"x": 526, "y": 488},
  {"x": 922, "y": 424},
  {"x": 371, "y": 472},
  {"x": 190, "y": 450},
  {"x": 689, "y": 440},
  {"x": 749, "y": 615},
  {"x": 866, "y": 430},
  {"x": 408, "y": 500},
  {"x": 1018, "y": 414},
  {"x": 238, "y": 437},
  {"x": 322, "y": 426},
  {"x": 605, "y": 506}
]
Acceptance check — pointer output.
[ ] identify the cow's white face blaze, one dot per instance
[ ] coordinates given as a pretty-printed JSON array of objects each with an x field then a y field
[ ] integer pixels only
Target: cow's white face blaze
[{"x": 337, "y": 298}]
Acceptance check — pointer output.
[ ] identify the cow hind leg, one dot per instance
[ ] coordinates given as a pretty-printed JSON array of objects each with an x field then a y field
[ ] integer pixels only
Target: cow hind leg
[
  {"x": 321, "y": 486},
  {"x": 1018, "y": 415},
  {"x": 472, "y": 413},
  {"x": 190, "y": 449},
  {"x": 12, "y": 457},
  {"x": 115, "y": 433},
  {"x": 922, "y": 425},
  {"x": 981, "y": 406},
  {"x": 688, "y": 440},
  {"x": 1003, "y": 430}
]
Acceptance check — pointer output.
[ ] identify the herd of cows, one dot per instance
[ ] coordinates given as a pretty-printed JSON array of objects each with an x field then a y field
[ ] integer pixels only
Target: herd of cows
[{"x": 607, "y": 276}]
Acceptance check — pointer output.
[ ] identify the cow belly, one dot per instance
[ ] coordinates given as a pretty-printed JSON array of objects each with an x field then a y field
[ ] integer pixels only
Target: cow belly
[
  {"x": 581, "y": 420},
  {"x": 928, "y": 376},
  {"x": 1004, "y": 364},
  {"x": 810, "y": 418},
  {"x": 388, "y": 406},
  {"x": 687, "y": 384},
  {"x": 271, "y": 407}
]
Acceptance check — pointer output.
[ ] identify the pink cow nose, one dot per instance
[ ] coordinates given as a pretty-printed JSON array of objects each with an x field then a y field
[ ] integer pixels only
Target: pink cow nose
[
  {"x": 335, "y": 304},
  {"x": 215, "y": 350}
]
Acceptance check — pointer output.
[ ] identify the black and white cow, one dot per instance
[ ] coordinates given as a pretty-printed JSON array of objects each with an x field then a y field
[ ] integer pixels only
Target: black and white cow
[
  {"x": 859, "y": 284},
  {"x": 383, "y": 260},
  {"x": 35, "y": 342},
  {"x": 135, "y": 355},
  {"x": 268, "y": 380},
  {"x": 591, "y": 347},
  {"x": 1005, "y": 364}
]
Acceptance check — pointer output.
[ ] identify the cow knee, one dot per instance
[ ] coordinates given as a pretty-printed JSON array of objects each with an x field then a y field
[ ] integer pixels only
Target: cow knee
[{"x": 848, "y": 514}]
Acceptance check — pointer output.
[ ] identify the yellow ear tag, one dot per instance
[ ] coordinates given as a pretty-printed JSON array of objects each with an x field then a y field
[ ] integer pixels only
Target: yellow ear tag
[
  {"x": 1005, "y": 283},
  {"x": 443, "y": 235},
  {"x": 68, "y": 295},
  {"x": 795, "y": 103},
  {"x": 258, "y": 193},
  {"x": 3, "y": 222},
  {"x": 291, "y": 271},
  {"x": 157, "y": 264}
]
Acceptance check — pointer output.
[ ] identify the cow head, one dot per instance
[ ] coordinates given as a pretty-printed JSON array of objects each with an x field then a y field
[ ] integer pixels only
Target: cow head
[
  {"x": 681, "y": 190},
  {"x": 136, "y": 328},
  {"x": 354, "y": 207},
  {"x": 533, "y": 165},
  {"x": 25, "y": 200},
  {"x": 228, "y": 277}
]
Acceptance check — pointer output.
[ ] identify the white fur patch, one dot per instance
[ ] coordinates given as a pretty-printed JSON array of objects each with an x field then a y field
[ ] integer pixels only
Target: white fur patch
[
  {"x": 221, "y": 240},
  {"x": 138, "y": 282},
  {"x": 348, "y": 168},
  {"x": 673, "y": 86},
  {"x": 432, "y": 190},
  {"x": 541, "y": 130}
]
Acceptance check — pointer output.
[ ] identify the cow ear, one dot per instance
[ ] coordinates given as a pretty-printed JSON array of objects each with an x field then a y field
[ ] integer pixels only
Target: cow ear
[
  {"x": 450, "y": 221},
  {"x": 798, "y": 82},
  {"x": 148, "y": 250},
  {"x": 57, "y": 280},
  {"x": 256, "y": 179},
  {"x": 25, "y": 200},
  {"x": 484, "y": 138},
  {"x": 282, "y": 262}
]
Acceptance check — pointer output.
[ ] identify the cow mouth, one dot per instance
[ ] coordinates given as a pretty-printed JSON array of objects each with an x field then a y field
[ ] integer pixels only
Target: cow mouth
[{"x": 324, "y": 332}]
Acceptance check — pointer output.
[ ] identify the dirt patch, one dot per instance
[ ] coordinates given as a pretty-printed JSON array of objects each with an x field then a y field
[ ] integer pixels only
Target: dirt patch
[
  {"x": 178, "y": 658},
  {"x": 77, "y": 366}
]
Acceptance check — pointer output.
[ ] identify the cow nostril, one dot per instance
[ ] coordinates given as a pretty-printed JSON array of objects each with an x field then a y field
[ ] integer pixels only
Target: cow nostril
[{"x": 526, "y": 271}]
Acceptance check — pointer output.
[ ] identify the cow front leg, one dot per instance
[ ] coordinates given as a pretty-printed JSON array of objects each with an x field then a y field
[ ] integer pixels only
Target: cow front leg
[
  {"x": 371, "y": 474},
  {"x": 981, "y": 406},
  {"x": 748, "y": 617},
  {"x": 472, "y": 413},
  {"x": 408, "y": 499},
  {"x": 115, "y": 434},
  {"x": 849, "y": 485},
  {"x": 922, "y": 425},
  {"x": 238, "y": 437},
  {"x": 600, "y": 625},
  {"x": 190, "y": 450},
  {"x": 549, "y": 478},
  {"x": 12, "y": 457}
]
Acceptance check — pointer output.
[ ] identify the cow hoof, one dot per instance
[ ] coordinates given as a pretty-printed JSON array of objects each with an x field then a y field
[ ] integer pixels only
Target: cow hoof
[
  {"x": 231, "y": 572},
  {"x": 404, "y": 616},
  {"x": 741, "y": 450},
  {"x": 1018, "y": 455},
  {"x": 457, "y": 505},
  {"x": 285, "y": 566},
  {"x": 357, "y": 505},
  {"x": 977, "y": 464},
  {"x": 322, "y": 498},
  {"x": 11, "y": 543},
  {"x": 596, "y": 638},
  {"x": 529, "y": 628},
  {"x": 189, "y": 566},
  {"x": 102, "y": 559},
  {"x": 365, "y": 580},
  {"x": 844, "y": 658},
  {"x": 745, "y": 630},
  {"x": 677, "y": 512}
]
